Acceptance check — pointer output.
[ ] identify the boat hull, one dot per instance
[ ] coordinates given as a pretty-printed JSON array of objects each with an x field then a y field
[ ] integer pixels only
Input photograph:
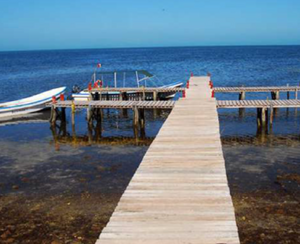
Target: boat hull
[{"x": 29, "y": 105}]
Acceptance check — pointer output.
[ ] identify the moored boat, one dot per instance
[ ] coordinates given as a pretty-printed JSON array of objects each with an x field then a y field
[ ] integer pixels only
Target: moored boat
[
  {"x": 142, "y": 78},
  {"x": 30, "y": 104}
]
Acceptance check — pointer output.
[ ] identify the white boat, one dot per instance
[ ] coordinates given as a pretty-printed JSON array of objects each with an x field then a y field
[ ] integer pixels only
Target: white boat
[
  {"x": 140, "y": 81},
  {"x": 30, "y": 104}
]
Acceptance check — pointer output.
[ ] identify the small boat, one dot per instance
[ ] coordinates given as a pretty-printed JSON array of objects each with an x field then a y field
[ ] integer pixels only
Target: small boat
[
  {"x": 30, "y": 104},
  {"x": 141, "y": 79}
]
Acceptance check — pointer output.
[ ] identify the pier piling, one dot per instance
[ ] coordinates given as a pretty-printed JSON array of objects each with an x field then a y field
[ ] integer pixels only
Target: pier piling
[{"x": 275, "y": 95}]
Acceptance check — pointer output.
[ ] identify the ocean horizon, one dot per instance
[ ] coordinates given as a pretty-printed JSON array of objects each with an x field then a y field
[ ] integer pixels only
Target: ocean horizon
[{"x": 153, "y": 47}]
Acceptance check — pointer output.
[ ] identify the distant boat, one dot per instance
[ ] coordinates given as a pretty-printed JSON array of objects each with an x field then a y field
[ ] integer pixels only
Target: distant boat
[
  {"x": 30, "y": 104},
  {"x": 112, "y": 81}
]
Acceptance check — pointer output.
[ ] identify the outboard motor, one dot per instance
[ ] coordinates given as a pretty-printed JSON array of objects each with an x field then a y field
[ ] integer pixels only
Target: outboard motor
[{"x": 76, "y": 89}]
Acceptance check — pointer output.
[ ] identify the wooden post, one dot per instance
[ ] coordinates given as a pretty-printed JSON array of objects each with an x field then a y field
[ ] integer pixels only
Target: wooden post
[
  {"x": 288, "y": 98},
  {"x": 63, "y": 122},
  {"x": 73, "y": 113},
  {"x": 90, "y": 115},
  {"x": 98, "y": 129},
  {"x": 259, "y": 118},
  {"x": 242, "y": 95},
  {"x": 271, "y": 116},
  {"x": 135, "y": 121},
  {"x": 155, "y": 96},
  {"x": 135, "y": 116},
  {"x": 142, "y": 119},
  {"x": 53, "y": 115},
  {"x": 63, "y": 114},
  {"x": 144, "y": 94},
  {"x": 275, "y": 95},
  {"x": 264, "y": 117}
]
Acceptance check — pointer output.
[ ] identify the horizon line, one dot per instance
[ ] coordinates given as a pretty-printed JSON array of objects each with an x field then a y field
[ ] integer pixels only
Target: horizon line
[{"x": 150, "y": 47}]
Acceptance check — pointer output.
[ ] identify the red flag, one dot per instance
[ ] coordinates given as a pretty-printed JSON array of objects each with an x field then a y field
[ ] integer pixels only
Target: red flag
[{"x": 99, "y": 65}]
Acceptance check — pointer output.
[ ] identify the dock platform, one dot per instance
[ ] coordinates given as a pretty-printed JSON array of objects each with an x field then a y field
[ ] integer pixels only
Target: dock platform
[
  {"x": 293, "y": 103},
  {"x": 257, "y": 89},
  {"x": 114, "y": 104},
  {"x": 179, "y": 194}
]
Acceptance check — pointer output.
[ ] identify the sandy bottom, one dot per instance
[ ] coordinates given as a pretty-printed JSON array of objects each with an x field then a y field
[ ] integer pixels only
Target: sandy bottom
[{"x": 64, "y": 196}]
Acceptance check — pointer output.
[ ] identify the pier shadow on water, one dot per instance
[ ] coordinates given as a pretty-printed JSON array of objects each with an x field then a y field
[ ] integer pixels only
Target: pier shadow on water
[
  {"x": 61, "y": 185},
  {"x": 263, "y": 169}
]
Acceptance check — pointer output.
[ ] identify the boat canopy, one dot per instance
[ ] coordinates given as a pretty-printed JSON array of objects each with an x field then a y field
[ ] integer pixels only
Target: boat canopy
[
  {"x": 122, "y": 78},
  {"x": 143, "y": 72}
]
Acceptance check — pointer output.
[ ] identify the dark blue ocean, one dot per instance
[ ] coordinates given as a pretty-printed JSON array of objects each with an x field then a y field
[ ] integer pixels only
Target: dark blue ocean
[
  {"x": 30, "y": 72},
  {"x": 68, "y": 175}
]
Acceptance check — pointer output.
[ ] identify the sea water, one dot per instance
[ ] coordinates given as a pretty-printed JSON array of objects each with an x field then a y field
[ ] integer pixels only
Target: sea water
[{"x": 64, "y": 187}]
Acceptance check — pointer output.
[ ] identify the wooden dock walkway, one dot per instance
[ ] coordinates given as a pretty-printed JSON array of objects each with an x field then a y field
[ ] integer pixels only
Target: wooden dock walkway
[
  {"x": 294, "y": 103},
  {"x": 179, "y": 194},
  {"x": 257, "y": 89},
  {"x": 114, "y": 104}
]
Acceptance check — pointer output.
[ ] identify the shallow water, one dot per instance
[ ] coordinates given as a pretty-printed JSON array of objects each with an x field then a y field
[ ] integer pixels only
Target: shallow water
[
  {"x": 62, "y": 185},
  {"x": 264, "y": 177}
]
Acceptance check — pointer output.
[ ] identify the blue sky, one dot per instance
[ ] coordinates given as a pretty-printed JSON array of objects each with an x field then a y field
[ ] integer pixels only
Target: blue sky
[{"x": 67, "y": 24}]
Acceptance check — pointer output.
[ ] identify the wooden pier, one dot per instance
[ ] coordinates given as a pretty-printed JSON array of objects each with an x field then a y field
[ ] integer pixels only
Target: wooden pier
[
  {"x": 180, "y": 193},
  {"x": 274, "y": 90},
  {"x": 114, "y": 104},
  {"x": 264, "y": 108},
  {"x": 94, "y": 110},
  {"x": 258, "y": 103},
  {"x": 257, "y": 89}
]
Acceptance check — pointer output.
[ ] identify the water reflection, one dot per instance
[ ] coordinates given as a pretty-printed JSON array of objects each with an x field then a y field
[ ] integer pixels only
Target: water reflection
[
  {"x": 94, "y": 136},
  {"x": 40, "y": 117},
  {"x": 94, "y": 133}
]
